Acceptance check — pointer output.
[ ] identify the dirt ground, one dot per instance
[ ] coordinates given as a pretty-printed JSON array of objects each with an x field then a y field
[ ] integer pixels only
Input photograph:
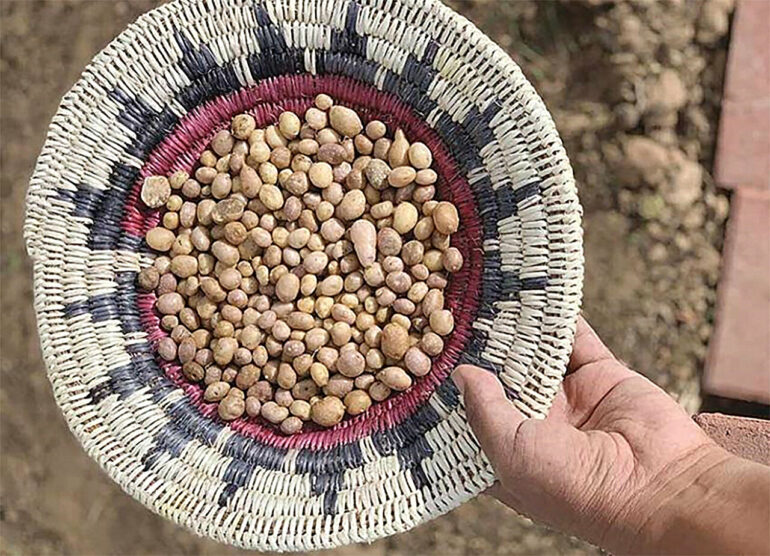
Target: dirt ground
[{"x": 635, "y": 90}]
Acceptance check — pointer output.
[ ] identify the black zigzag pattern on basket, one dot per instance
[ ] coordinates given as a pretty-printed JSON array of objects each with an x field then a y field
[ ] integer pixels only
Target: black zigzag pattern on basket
[
  {"x": 207, "y": 81},
  {"x": 238, "y": 472}
]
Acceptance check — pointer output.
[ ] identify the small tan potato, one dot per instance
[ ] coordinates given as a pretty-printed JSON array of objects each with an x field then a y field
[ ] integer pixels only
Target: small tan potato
[
  {"x": 445, "y": 218},
  {"x": 167, "y": 348},
  {"x": 379, "y": 392},
  {"x": 364, "y": 381},
  {"x": 320, "y": 175},
  {"x": 186, "y": 350},
  {"x": 351, "y": 363},
  {"x": 216, "y": 391},
  {"x": 297, "y": 320},
  {"x": 243, "y": 125},
  {"x": 160, "y": 239},
  {"x": 377, "y": 173},
  {"x": 402, "y": 176},
  {"x": 398, "y": 281},
  {"x": 323, "y": 101},
  {"x": 432, "y": 302},
  {"x": 225, "y": 253},
  {"x": 247, "y": 376},
  {"x": 291, "y": 425},
  {"x": 417, "y": 362},
  {"x": 452, "y": 259},
  {"x": 442, "y": 322},
  {"x": 289, "y": 124},
  {"x": 338, "y": 385},
  {"x": 352, "y": 206},
  {"x": 300, "y": 408},
  {"x": 274, "y": 413},
  {"x": 148, "y": 278},
  {"x": 253, "y": 406},
  {"x": 319, "y": 373},
  {"x": 424, "y": 228},
  {"x": 434, "y": 260},
  {"x": 307, "y": 256},
  {"x": 287, "y": 287},
  {"x": 420, "y": 156},
  {"x": 331, "y": 285},
  {"x": 404, "y": 217},
  {"x": 193, "y": 371},
  {"x": 231, "y": 407},
  {"x": 184, "y": 266},
  {"x": 375, "y": 359},
  {"x": 283, "y": 397},
  {"x": 332, "y": 230},
  {"x": 271, "y": 196},
  {"x": 395, "y": 378},
  {"x": 170, "y": 303},
  {"x": 382, "y": 148},
  {"x": 155, "y": 191},
  {"x": 375, "y": 130},
  {"x": 381, "y": 210},
  {"x": 340, "y": 333},
  {"x": 426, "y": 177},
  {"x": 327, "y": 412},
  {"x": 398, "y": 153},
  {"x": 357, "y": 401},
  {"x": 345, "y": 121},
  {"x": 224, "y": 350},
  {"x": 417, "y": 292},
  {"x": 394, "y": 341},
  {"x": 389, "y": 242},
  {"x": 423, "y": 194},
  {"x": 436, "y": 280},
  {"x": 332, "y": 153},
  {"x": 364, "y": 237},
  {"x": 262, "y": 391}
]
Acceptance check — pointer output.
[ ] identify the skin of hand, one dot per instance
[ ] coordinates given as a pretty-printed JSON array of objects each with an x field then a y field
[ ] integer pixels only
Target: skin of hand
[{"x": 618, "y": 463}]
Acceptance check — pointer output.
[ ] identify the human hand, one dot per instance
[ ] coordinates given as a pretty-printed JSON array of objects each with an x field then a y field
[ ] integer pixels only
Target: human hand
[{"x": 606, "y": 463}]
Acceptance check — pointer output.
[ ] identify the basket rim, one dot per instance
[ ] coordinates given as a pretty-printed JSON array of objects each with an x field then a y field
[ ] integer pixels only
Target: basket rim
[{"x": 48, "y": 165}]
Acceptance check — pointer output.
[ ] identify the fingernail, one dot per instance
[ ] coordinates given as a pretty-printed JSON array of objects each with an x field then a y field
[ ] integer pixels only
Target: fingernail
[{"x": 459, "y": 380}]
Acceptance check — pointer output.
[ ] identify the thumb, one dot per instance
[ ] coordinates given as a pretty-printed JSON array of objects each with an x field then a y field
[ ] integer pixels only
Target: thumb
[{"x": 492, "y": 416}]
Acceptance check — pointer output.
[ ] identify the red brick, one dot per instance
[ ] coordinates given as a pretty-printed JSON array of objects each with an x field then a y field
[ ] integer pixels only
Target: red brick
[
  {"x": 738, "y": 364},
  {"x": 743, "y": 148},
  {"x": 748, "y": 63},
  {"x": 744, "y": 437},
  {"x": 743, "y": 151}
]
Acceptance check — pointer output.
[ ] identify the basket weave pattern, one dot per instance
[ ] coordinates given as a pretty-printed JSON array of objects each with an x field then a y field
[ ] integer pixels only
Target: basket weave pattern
[{"x": 149, "y": 103}]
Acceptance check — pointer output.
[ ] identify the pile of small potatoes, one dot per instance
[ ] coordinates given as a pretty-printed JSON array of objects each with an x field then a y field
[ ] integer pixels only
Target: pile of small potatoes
[{"x": 301, "y": 269}]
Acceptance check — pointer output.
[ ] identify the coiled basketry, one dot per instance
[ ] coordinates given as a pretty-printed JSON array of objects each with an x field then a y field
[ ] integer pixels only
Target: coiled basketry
[{"x": 148, "y": 104}]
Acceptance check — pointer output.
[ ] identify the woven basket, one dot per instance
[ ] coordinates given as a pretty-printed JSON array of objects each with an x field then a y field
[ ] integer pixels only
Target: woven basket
[{"x": 148, "y": 104}]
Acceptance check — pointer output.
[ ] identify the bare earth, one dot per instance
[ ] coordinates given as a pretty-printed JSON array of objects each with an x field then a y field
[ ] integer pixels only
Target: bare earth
[{"x": 653, "y": 233}]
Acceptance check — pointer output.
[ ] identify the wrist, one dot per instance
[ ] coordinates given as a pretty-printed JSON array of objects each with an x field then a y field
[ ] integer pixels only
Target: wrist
[
  {"x": 711, "y": 502},
  {"x": 652, "y": 522}
]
